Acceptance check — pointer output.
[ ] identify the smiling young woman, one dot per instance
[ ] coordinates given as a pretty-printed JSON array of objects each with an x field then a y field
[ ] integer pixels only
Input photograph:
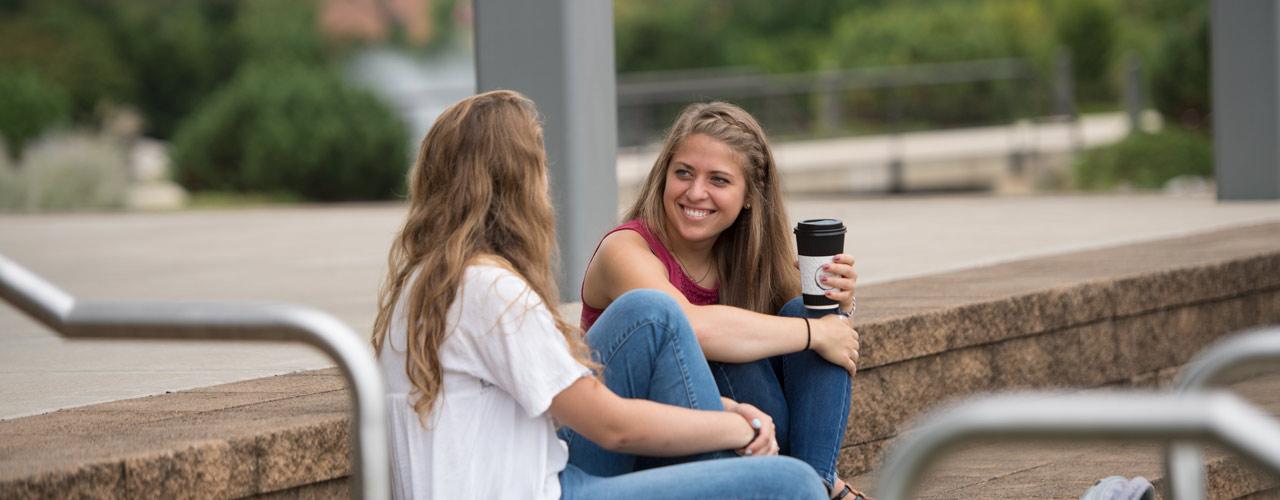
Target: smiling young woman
[{"x": 710, "y": 230}]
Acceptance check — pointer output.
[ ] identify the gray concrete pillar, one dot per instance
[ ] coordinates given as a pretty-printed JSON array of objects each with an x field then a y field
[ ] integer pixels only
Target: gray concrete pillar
[
  {"x": 560, "y": 54},
  {"x": 1245, "y": 64}
]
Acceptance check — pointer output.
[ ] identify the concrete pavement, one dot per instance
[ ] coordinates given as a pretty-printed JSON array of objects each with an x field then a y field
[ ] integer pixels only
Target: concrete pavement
[{"x": 333, "y": 257}]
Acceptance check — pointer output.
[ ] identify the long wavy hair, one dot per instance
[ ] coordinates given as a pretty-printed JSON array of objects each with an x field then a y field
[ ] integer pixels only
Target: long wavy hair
[
  {"x": 754, "y": 255},
  {"x": 478, "y": 189}
]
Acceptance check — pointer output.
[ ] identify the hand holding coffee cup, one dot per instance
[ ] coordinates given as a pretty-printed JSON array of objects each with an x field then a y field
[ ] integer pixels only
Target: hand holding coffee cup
[
  {"x": 827, "y": 281},
  {"x": 827, "y": 276}
]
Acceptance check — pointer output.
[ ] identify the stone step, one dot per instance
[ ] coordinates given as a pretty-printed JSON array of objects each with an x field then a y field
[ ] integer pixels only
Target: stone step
[
  {"x": 282, "y": 433},
  {"x": 1122, "y": 316},
  {"x": 1065, "y": 470},
  {"x": 1116, "y": 316}
]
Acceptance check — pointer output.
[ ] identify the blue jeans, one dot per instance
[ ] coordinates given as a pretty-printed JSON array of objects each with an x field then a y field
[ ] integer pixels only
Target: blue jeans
[
  {"x": 648, "y": 351},
  {"x": 745, "y": 477},
  {"x": 807, "y": 397}
]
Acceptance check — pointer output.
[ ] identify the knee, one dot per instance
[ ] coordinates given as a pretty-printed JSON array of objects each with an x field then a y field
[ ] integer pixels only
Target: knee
[
  {"x": 648, "y": 303},
  {"x": 647, "y": 297},
  {"x": 818, "y": 372},
  {"x": 794, "y": 308},
  {"x": 645, "y": 305}
]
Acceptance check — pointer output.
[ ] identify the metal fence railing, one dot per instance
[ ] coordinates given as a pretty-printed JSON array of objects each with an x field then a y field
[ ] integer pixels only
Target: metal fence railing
[
  {"x": 875, "y": 99},
  {"x": 1218, "y": 417},
  {"x": 192, "y": 320},
  {"x": 879, "y": 101},
  {"x": 1184, "y": 464}
]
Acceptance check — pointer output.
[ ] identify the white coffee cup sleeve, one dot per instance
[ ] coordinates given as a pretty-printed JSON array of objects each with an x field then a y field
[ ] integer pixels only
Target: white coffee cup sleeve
[{"x": 811, "y": 271}]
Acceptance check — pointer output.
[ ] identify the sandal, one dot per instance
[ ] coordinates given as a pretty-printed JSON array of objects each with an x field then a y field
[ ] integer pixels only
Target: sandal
[{"x": 848, "y": 490}]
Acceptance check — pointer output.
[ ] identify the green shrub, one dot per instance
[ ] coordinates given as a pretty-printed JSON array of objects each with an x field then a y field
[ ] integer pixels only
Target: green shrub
[
  {"x": 1090, "y": 30},
  {"x": 177, "y": 53},
  {"x": 293, "y": 129},
  {"x": 68, "y": 172},
  {"x": 902, "y": 33},
  {"x": 1180, "y": 77},
  {"x": 905, "y": 34},
  {"x": 280, "y": 30},
  {"x": 70, "y": 47},
  {"x": 668, "y": 35},
  {"x": 1146, "y": 161},
  {"x": 28, "y": 106},
  {"x": 10, "y": 184}
]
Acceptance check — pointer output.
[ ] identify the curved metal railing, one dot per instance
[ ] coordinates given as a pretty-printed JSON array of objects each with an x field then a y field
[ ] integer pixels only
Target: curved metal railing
[
  {"x": 193, "y": 320},
  {"x": 1219, "y": 417},
  {"x": 1184, "y": 464}
]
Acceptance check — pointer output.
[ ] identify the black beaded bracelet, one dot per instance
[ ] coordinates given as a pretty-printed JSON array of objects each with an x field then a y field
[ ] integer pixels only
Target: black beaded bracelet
[{"x": 808, "y": 333}]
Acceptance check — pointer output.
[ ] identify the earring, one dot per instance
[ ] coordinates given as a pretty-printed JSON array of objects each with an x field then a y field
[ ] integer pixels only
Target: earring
[{"x": 747, "y": 207}]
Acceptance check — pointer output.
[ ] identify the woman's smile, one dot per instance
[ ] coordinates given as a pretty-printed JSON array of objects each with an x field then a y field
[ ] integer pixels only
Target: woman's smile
[{"x": 696, "y": 214}]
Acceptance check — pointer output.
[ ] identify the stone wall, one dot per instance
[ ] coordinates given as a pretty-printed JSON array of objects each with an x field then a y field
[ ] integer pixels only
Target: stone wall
[{"x": 1122, "y": 316}]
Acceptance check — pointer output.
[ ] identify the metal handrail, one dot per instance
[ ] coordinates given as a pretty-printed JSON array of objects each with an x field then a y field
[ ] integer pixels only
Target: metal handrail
[
  {"x": 1184, "y": 464},
  {"x": 1219, "y": 417},
  {"x": 643, "y": 89},
  {"x": 192, "y": 320}
]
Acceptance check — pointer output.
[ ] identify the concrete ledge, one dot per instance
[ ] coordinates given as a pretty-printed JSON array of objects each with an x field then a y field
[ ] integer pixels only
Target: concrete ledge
[
  {"x": 1122, "y": 316},
  {"x": 1057, "y": 469},
  {"x": 1106, "y": 317},
  {"x": 234, "y": 440},
  {"x": 923, "y": 316},
  {"x": 1118, "y": 351}
]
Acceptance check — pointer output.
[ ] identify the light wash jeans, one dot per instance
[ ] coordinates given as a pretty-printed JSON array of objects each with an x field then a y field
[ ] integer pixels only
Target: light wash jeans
[
  {"x": 807, "y": 397},
  {"x": 648, "y": 351},
  {"x": 736, "y": 478}
]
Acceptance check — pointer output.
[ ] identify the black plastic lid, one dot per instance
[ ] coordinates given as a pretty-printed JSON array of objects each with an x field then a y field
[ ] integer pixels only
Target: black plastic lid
[{"x": 820, "y": 227}]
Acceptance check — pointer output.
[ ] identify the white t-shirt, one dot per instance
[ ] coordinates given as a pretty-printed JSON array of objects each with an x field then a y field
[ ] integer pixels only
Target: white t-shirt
[{"x": 489, "y": 432}]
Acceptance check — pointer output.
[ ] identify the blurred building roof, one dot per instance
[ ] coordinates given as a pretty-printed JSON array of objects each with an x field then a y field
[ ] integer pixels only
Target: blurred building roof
[{"x": 376, "y": 20}]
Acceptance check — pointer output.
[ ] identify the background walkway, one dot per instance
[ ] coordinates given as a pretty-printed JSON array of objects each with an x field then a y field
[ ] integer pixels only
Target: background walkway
[
  {"x": 333, "y": 258},
  {"x": 963, "y": 158}
]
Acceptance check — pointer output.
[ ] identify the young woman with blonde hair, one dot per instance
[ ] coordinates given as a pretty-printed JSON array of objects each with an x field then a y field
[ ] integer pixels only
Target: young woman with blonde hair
[
  {"x": 710, "y": 230},
  {"x": 480, "y": 366}
]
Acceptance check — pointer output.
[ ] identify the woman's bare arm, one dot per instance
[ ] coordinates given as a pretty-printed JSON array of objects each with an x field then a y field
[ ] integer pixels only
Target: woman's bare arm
[
  {"x": 727, "y": 334},
  {"x": 641, "y": 427}
]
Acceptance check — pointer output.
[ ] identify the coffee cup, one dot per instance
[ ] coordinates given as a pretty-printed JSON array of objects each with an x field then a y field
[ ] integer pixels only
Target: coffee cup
[{"x": 817, "y": 241}]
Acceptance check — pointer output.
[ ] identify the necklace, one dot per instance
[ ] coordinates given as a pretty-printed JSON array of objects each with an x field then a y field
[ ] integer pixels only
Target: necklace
[{"x": 685, "y": 268}]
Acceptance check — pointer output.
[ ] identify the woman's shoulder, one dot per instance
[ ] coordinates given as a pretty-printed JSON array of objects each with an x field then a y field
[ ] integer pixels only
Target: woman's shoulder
[
  {"x": 495, "y": 283},
  {"x": 625, "y": 245},
  {"x": 496, "y": 272},
  {"x": 494, "y": 298},
  {"x": 635, "y": 226},
  {"x": 627, "y": 234},
  {"x": 634, "y": 232},
  {"x": 626, "y": 260}
]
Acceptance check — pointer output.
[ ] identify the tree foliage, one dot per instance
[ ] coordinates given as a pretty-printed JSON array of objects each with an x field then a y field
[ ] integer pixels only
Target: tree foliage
[
  {"x": 28, "y": 106},
  {"x": 1180, "y": 77},
  {"x": 293, "y": 128},
  {"x": 1146, "y": 161},
  {"x": 177, "y": 53},
  {"x": 1089, "y": 29},
  {"x": 69, "y": 47}
]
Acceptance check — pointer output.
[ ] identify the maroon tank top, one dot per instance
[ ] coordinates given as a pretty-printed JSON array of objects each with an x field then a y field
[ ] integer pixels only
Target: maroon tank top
[{"x": 696, "y": 294}]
